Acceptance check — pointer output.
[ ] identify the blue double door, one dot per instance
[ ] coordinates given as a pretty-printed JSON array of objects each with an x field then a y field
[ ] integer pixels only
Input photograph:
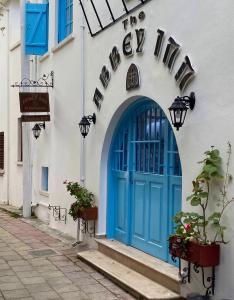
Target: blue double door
[{"x": 145, "y": 180}]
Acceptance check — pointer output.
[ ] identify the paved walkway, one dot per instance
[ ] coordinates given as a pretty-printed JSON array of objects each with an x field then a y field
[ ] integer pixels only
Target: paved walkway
[{"x": 36, "y": 265}]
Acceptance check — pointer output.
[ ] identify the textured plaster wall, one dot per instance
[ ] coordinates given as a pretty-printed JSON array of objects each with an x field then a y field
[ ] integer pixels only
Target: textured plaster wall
[
  {"x": 11, "y": 181},
  {"x": 204, "y": 31}
]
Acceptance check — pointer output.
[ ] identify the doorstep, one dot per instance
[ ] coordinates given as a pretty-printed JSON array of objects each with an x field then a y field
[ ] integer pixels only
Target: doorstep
[{"x": 142, "y": 275}]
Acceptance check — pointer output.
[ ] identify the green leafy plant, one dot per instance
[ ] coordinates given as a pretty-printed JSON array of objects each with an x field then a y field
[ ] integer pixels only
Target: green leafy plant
[
  {"x": 195, "y": 226},
  {"x": 84, "y": 198}
]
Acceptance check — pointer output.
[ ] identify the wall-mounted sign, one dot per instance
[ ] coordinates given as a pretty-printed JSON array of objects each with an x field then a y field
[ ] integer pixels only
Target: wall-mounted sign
[
  {"x": 34, "y": 102},
  {"x": 133, "y": 78},
  {"x": 167, "y": 52},
  {"x": 35, "y": 118}
]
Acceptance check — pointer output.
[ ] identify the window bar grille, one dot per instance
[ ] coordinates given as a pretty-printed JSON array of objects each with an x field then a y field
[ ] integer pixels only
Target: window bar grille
[
  {"x": 155, "y": 145},
  {"x": 108, "y": 5},
  {"x": 86, "y": 18},
  {"x": 144, "y": 139},
  {"x": 125, "y": 7},
  {"x": 94, "y": 8},
  {"x": 114, "y": 20},
  {"x": 160, "y": 143},
  {"x": 149, "y": 144}
]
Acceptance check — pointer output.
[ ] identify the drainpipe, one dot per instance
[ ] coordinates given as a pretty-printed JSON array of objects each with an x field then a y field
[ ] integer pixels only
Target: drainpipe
[
  {"x": 27, "y": 172},
  {"x": 8, "y": 103},
  {"x": 82, "y": 105},
  {"x": 82, "y": 98}
]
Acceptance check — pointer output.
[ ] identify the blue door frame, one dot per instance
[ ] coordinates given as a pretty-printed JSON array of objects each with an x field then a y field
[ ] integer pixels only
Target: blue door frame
[{"x": 144, "y": 180}]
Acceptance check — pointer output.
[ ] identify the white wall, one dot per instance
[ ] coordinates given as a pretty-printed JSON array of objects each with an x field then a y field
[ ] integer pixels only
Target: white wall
[{"x": 204, "y": 31}]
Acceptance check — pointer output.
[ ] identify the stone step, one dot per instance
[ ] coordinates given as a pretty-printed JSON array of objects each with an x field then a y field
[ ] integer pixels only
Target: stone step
[
  {"x": 147, "y": 265},
  {"x": 138, "y": 285}
]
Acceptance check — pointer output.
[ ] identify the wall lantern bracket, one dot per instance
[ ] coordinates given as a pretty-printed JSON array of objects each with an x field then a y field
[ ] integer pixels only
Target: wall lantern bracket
[
  {"x": 178, "y": 109},
  {"x": 37, "y": 129},
  {"x": 42, "y": 82},
  {"x": 85, "y": 124}
]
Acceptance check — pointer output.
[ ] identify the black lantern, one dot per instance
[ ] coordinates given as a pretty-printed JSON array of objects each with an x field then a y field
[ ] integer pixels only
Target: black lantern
[
  {"x": 37, "y": 129},
  {"x": 85, "y": 124},
  {"x": 179, "y": 107}
]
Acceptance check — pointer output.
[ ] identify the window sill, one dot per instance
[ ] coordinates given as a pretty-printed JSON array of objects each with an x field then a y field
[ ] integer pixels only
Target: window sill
[
  {"x": 19, "y": 163},
  {"x": 44, "y": 57},
  {"x": 66, "y": 41},
  {"x": 44, "y": 193},
  {"x": 2, "y": 172}
]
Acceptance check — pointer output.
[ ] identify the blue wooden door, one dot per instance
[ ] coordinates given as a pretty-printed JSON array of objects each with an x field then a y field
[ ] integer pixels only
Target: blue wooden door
[{"x": 145, "y": 175}]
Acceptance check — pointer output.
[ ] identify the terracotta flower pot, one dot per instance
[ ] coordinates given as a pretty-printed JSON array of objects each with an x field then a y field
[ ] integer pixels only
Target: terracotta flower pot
[
  {"x": 199, "y": 254},
  {"x": 204, "y": 255},
  {"x": 88, "y": 214}
]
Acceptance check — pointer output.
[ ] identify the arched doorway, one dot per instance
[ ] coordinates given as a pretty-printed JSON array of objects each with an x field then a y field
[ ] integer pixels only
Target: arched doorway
[{"x": 144, "y": 188}]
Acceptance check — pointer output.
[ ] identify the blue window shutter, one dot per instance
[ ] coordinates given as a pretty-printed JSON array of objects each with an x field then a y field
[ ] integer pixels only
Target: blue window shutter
[
  {"x": 36, "y": 28},
  {"x": 65, "y": 18},
  {"x": 61, "y": 20}
]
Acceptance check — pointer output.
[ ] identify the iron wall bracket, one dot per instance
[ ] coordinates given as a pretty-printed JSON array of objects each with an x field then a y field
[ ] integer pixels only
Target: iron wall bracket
[
  {"x": 185, "y": 276},
  {"x": 40, "y": 83}
]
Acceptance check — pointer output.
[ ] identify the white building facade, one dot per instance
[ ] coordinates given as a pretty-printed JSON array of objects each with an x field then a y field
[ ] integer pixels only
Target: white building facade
[{"x": 135, "y": 162}]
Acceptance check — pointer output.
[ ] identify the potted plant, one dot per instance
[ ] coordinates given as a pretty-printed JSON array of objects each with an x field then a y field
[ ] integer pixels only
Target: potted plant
[
  {"x": 84, "y": 206},
  {"x": 198, "y": 235}
]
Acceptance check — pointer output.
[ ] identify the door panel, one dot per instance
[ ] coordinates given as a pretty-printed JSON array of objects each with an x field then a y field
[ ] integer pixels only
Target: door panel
[
  {"x": 138, "y": 209},
  {"x": 146, "y": 175},
  {"x": 155, "y": 213},
  {"x": 121, "y": 206}
]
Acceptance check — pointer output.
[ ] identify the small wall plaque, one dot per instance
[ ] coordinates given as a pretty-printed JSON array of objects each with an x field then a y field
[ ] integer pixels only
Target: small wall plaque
[{"x": 133, "y": 78}]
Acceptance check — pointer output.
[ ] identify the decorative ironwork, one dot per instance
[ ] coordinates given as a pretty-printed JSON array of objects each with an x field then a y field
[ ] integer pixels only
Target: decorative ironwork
[
  {"x": 209, "y": 282},
  {"x": 133, "y": 78},
  {"x": 123, "y": 8},
  {"x": 86, "y": 226},
  {"x": 59, "y": 214},
  {"x": 40, "y": 83},
  {"x": 185, "y": 276}
]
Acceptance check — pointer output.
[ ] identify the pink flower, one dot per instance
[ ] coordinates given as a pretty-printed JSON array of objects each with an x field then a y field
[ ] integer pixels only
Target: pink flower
[{"x": 187, "y": 227}]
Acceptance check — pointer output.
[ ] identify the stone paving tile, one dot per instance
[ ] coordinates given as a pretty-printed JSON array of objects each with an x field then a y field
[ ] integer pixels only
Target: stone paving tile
[
  {"x": 11, "y": 286},
  {"x": 32, "y": 280},
  {"x": 77, "y": 275},
  {"x": 25, "y": 274},
  {"x": 38, "y": 287},
  {"x": 22, "y": 268},
  {"x": 67, "y": 288},
  {"x": 59, "y": 281},
  {"x": 17, "y": 294},
  {"x": 9, "y": 279},
  {"x": 102, "y": 296},
  {"x": 70, "y": 269},
  {"x": 93, "y": 288},
  {"x": 74, "y": 296},
  {"x": 85, "y": 281},
  {"x": 97, "y": 276},
  {"x": 6, "y": 273},
  {"x": 45, "y": 295},
  {"x": 21, "y": 262},
  {"x": 58, "y": 276},
  {"x": 51, "y": 274}
]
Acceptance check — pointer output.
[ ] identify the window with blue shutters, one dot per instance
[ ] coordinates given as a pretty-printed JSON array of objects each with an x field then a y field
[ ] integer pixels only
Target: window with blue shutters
[
  {"x": 36, "y": 28},
  {"x": 65, "y": 19}
]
